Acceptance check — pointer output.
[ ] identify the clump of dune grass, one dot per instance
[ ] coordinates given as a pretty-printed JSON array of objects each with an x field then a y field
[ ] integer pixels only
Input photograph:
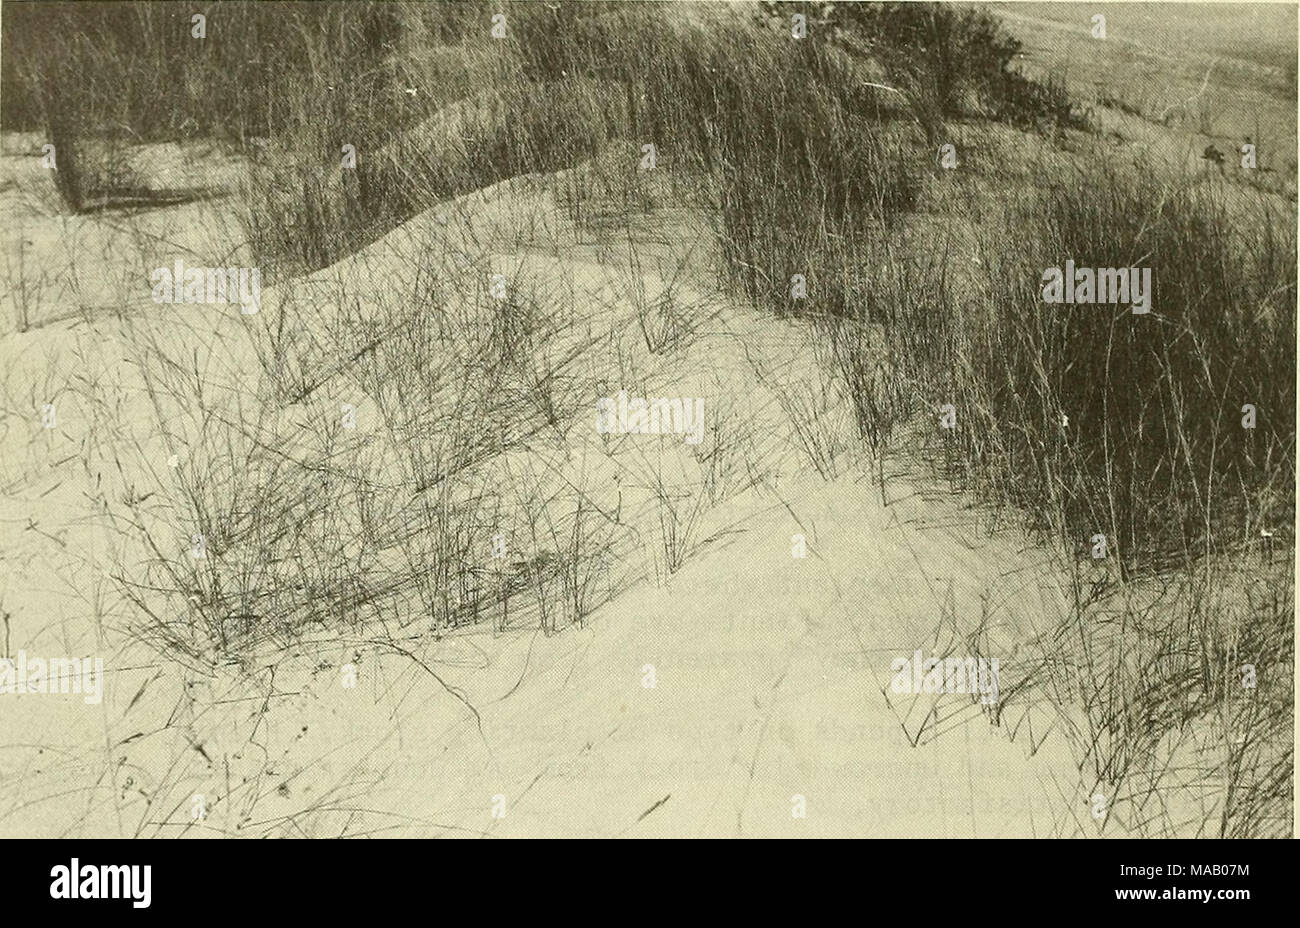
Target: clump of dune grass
[
  {"x": 1089, "y": 421},
  {"x": 285, "y": 519},
  {"x": 1099, "y": 420}
]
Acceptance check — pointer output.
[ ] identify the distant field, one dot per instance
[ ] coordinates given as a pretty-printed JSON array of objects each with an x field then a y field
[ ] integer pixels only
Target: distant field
[
  {"x": 1255, "y": 33},
  {"x": 1156, "y": 58}
]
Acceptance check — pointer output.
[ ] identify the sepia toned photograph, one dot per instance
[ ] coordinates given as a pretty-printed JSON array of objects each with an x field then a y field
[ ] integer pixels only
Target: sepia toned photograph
[{"x": 499, "y": 419}]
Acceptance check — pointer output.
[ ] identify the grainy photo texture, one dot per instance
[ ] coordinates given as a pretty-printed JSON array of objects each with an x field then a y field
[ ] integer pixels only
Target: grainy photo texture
[{"x": 595, "y": 419}]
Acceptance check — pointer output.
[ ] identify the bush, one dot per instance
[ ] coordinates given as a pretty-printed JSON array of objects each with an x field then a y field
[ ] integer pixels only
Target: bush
[{"x": 959, "y": 62}]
